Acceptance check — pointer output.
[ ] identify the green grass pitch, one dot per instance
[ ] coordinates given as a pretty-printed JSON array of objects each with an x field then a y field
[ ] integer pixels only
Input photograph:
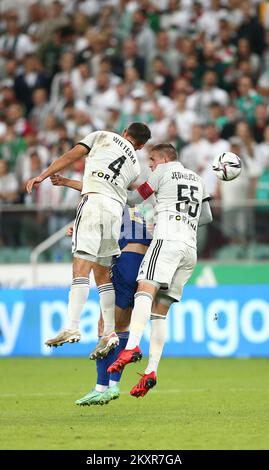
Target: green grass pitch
[{"x": 197, "y": 404}]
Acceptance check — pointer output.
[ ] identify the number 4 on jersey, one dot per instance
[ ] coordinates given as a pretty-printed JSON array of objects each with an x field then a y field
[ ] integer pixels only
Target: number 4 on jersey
[{"x": 116, "y": 166}]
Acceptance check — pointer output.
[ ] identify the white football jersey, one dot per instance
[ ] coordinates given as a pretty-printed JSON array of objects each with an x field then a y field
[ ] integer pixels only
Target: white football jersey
[
  {"x": 179, "y": 194},
  {"x": 111, "y": 165}
]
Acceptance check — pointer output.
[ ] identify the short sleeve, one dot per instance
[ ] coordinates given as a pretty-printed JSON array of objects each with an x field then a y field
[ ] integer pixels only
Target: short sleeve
[
  {"x": 206, "y": 196},
  {"x": 88, "y": 141}
]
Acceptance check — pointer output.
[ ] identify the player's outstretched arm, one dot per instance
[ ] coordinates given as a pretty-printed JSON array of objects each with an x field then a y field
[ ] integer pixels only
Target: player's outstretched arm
[
  {"x": 59, "y": 180},
  {"x": 62, "y": 162},
  {"x": 143, "y": 192},
  {"x": 133, "y": 198}
]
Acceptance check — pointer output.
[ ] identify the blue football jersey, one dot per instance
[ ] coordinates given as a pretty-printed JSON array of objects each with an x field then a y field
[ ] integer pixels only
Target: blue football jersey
[{"x": 133, "y": 229}]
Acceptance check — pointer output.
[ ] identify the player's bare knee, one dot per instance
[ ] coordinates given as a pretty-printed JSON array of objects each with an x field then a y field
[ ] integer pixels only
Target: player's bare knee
[
  {"x": 101, "y": 274},
  {"x": 160, "y": 309},
  {"x": 162, "y": 304},
  {"x": 81, "y": 267},
  {"x": 122, "y": 318},
  {"x": 151, "y": 287}
]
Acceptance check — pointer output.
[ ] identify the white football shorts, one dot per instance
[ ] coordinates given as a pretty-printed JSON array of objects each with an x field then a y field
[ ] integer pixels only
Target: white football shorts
[
  {"x": 97, "y": 229},
  {"x": 170, "y": 263}
]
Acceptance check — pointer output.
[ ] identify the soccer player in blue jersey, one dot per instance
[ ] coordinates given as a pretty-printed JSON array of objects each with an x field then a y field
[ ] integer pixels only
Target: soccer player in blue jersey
[{"x": 133, "y": 244}]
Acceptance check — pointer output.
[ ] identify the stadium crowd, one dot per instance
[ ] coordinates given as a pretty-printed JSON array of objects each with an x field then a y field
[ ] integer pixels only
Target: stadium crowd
[{"x": 197, "y": 72}]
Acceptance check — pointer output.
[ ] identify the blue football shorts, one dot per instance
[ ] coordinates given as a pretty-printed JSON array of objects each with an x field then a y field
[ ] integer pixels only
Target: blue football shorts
[{"x": 124, "y": 274}]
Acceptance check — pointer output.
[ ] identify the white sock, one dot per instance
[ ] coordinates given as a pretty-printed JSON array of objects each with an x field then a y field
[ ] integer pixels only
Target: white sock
[
  {"x": 78, "y": 297},
  {"x": 157, "y": 340},
  {"x": 112, "y": 383},
  {"x": 100, "y": 388},
  {"x": 107, "y": 304},
  {"x": 140, "y": 316}
]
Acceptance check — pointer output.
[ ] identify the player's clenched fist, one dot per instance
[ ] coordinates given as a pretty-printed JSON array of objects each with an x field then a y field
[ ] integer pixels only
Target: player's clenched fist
[
  {"x": 69, "y": 231},
  {"x": 57, "y": 180}
]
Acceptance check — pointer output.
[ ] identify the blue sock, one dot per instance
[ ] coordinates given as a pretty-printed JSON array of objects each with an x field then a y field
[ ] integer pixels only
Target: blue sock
[
  {"x": 101, "y": 368},
  {"x": 102, "y": 365},
  {"x": 123, "y": 336}
]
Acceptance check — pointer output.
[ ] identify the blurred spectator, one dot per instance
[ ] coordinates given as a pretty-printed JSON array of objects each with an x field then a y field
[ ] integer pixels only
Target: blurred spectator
[
  {"x": 216, "y": 115},
  {"x": 83, "y": 82},
  {"x": 26, "y": 164},
  {"x": 209, "y": 61},
  {"x": 34, "y": 226},
  {"x": 244, "y": 132},
  {"x": 159, "y": 125},
  {"x": 261, "y": 120},
  {"x": 11, "y": 145},
  {"x": 184, "y": 118},
  {"x": 9, "y": 73},
  {"x": 101, "y": 99},
  {"x": 131, "y": 80},
  {"x": 32, "y": 77},
  {"x": 231, "y": 117},
  {"x": 54, "y": 19},
  {"x": 161, "y": 76},
  {"x": 168, "y": 53},
  {"x": 8, "y": 195},
  {"x": 98, "y": 45},
  {"x": 247, "y": 99},
  {"x": 237, "y": 218},
  {"x": 152, "y": 96},
  {"x": 36, "y": 14},
  {"x": 48, "y": 136},
  {"x": 13, "y": 43},
  {"x": 135, "y": 113},
  {"x": 175, "y": 17},
  {"x": 129, "y": 58},
  {"x": 189, "y": 70},
  {"x": 251, "y": 27},
  {"x": 195, "y": 154},
  {"x": 144, "y": 36},
  {"x": 244, "y": 52},
  {"x": 50, "y": 53},
  {"x": 41, "y": 108},
  {"x": 226, "y": 52},
  {"x": 262, "y": 154},
  {"x": 261, "y": 200},
  {"x": 200, "y": 100},
  {"x": 174, "y": 138},
  {"x": 8, "y": 184},
  {"x": 215, "y": 146},
  {"x": 67, "y": 99},
  {"x": 181, "y": 84},
  {"x": 65, "y": 76},
  {"x": 106, "y": 67},
  {"x": 208, "y": 21}
]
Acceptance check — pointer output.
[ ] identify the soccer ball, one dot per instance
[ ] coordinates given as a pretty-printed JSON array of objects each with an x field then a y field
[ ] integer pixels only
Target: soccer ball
[{"x": 227, "y": 166}]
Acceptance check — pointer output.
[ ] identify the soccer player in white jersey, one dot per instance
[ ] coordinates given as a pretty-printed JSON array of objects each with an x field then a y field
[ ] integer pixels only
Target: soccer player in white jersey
[
  {"x": 111, "y": 167},
  {"x": 182, "y": 205}
]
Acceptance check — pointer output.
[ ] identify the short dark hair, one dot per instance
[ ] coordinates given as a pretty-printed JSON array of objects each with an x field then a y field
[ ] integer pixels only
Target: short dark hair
[
  {"x": 139, "y": 132},
  {"x": 167, "y": 149}
]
